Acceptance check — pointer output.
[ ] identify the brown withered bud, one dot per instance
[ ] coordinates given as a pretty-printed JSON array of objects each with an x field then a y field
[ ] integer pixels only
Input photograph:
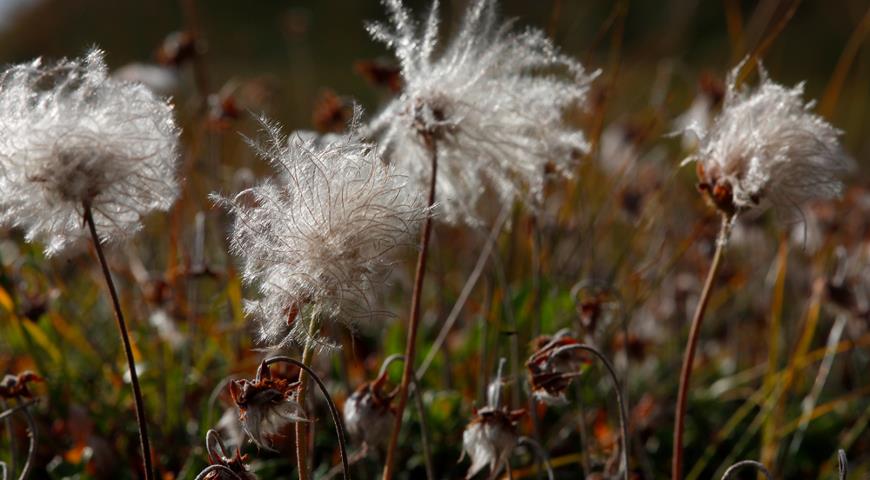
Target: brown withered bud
[
  {"x": 217, "y": 456},
  {"x": 590, "y": 310},
  {"x": 368, "y": 413},
  {"x": 176, "y": 49},
  {"x": 331, "y": 113},
  {"x": 551, "y": 370},
  {"x": 267, "y": 407},
  {"x": 490, "y": 438},
  {"x": 719, "y": 194},
  {"x": 635, "y": 346},
  {"x": 223, "y": 109},
  {"x": 16, "y": 386},
  {"x": 380, "y": 74}
]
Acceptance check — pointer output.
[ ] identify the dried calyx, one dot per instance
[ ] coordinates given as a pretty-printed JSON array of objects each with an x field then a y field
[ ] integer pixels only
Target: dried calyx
[
  {"x": 551, "y": 367},
  {"x": 369, "y": 414},
  {"x": 268, "y": 407}
]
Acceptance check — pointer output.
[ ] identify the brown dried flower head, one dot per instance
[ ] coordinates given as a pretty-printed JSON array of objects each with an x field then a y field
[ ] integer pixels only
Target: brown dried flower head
[
  {"x": 551, "y": 368},
  {"x": 235, "y": 463},
  {"x": 267, "y": 407},
  {"x": 16, "y": 386}
]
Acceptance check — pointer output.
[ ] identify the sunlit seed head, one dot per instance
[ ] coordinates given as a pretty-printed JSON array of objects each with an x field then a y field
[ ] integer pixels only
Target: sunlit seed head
[
  {"x": 316, "y": 238},
  {"x": 72, "y": 136},
  {"x": 491, "y": 102},
  {"x": 766, "y": 147}
]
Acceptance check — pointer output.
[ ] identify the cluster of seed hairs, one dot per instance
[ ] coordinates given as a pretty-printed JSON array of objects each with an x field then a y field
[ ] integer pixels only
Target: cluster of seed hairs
[
  {"x": 766, "y": 148},
  {"x": 73, "y": 136},
  {"x": 317, "y": 236},
  {"x": 492, "y": 102}
]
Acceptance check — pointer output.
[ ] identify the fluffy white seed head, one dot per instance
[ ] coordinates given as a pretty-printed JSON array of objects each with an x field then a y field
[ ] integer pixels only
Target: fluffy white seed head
[
  {"x": 72, "y": 135},
  {"x": 492, "y": 102},
  {"x": 766, "y": 147},
  {"x": 319, "y": 235}
]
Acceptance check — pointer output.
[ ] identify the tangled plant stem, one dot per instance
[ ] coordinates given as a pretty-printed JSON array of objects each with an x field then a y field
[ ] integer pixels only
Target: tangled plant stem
[
  {"x": 414, "y": 321},
  {"x": 333, "y": 410},
  {"x": 691, "y": 346},
  {"x": 128, "y": 348}
]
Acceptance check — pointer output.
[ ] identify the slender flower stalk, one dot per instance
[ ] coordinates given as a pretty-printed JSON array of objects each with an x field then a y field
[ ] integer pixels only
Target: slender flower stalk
[
  {"x": 620, "y": 400},
  {"x": 414, "y": 321},
  {"x": 302, "y": 427},
  {"x": 540, "y": 453},
  {"x": 692, "y": 344},
  {"x": 144, "y": 442}
]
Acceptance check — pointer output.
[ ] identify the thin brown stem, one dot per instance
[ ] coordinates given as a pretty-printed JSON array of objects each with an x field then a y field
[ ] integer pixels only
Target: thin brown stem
[
  {"x": 145, "y": 444},
  {"x": 333, "y": 410},
  {"x": 411, "y": 345},
  {"x": 691, "y": 346},
  {"x": 302, "y": 427}
]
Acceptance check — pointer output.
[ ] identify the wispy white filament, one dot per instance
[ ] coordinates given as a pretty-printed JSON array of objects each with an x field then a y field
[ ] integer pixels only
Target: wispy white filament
[
  {"x": 493, "y": 100},
  {"x": 319, "y": 235},
  {"x": 71, "y": 135},
  {"x": 768, "y": 148}
]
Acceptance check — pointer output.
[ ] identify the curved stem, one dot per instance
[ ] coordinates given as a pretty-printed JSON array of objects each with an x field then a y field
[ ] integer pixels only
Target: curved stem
[
  {"x": 540, "y": 453},
  {"x": 623, "y": 423},
  {"x": 842, "y": 464},
  {"x": 414, "y": 321},
  {"x": 11, "y": 411},
  {"x": 691, "y": 346},
  {"x": 212, "y": 398},
  {"x": 145, "y": 444},
  {"x": 213, "y": 439},
  {"x": 7, "y": 423},
  {"x": 216, "y": 468},
  {"x": 421, "y": 410},
  {"x": 336, "y": 416},
  {"x": 3, "y": 471},
  {"x": 747, "y": 463},
  {"x": 33, "y": 433}
]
